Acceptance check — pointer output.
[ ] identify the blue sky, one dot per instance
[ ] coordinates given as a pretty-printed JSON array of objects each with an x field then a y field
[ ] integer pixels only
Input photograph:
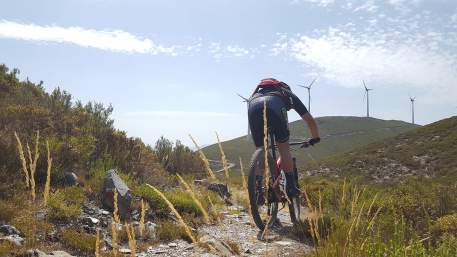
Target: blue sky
[{"x": 173, "y": 68}]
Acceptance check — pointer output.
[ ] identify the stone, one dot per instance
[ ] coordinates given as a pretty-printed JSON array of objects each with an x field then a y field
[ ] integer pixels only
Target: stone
[
  {"x": 111, "y": 183},
  {"x": 283, "y": 243},
  {"x": 221, "y": 189},
  {"x": 70, "y": 179},
  {"x": 125, "y": 251},
  {"x": 91, "y": 221},
  {"x": 220, "y": 247},
  {"x": 38, "y": 253},
  {"x": 13, "y": 239},
  {"x": 8, "y": 230},
  {"x": 172, "y": 245}
]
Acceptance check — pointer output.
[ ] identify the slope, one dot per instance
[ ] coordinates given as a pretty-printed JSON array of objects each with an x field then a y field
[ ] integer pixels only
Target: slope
[
  {"x": 339, "y": 134},
  {"x": 428, "y": 151}
]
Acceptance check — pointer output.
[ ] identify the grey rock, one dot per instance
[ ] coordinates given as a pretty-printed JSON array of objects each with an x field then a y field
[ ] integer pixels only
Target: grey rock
[
  {"x": 13, "y": 239},
  {"x": 172, "y": 245},
  {"x": 221, "y": 189},
  {"x": 90, "y": 221},
  {"x": 111, "y": 183},
  {"x": 222, "y": 249},
  {"x": 70, "y": 179},
  {"x": 8, "y": 230},
  {"x": 125, "y": 251}
]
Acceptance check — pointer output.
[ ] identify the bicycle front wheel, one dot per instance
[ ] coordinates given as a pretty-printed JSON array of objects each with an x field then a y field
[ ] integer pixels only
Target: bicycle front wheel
[{"x": 264, "y": 208}]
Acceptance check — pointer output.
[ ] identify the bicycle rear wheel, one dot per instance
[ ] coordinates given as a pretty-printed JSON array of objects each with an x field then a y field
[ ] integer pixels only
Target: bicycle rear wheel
[{"x": 264, "y": 208}]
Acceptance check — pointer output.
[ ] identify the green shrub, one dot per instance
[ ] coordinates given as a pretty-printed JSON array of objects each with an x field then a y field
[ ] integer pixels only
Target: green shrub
[
  {"x": 65, "y": 204},
  {"x": 181, "y": 200},
  {"x": 169, "y": 231},
  {"x": 78, "y": 241},
  {"x": 7, "y": 211},
  {"x": 446, "y": 225}
]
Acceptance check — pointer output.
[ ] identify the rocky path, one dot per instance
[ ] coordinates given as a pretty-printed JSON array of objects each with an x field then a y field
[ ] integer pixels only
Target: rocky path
[{"x": 237, "y": 230}]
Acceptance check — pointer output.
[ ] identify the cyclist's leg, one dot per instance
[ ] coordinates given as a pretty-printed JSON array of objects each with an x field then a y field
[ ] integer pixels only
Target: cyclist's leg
[{"x": 281, "y": 131}]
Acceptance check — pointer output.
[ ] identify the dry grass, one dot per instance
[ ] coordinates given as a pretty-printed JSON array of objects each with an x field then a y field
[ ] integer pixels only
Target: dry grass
[
  {"x": 30, "y": 168},
  {"x": 194, "y": 198},
  {"x": 223, "y": 159},
  {"x": 132, "y": 241},
  {"x": 47, "y": 186},
  {"x": 97, "y": 244},
  {"x": 143, "y": 214},
  {"x": 172, "y": 208},
  {"x": 204, "y": 159},
  {"x": 116, "y": 221},
  {"x": 114, "y": 238},
  {"x": 116, "y": 217},
  {"x": 33, "y": 162},
  {"x": 23, "y": 161}
]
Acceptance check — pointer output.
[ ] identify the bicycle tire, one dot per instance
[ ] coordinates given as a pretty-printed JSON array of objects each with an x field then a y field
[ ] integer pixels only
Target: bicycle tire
[
  {"x": 294, "y": 206},
  {"x": 259, "y": 157},
  {"x": 294, "y": 210}
]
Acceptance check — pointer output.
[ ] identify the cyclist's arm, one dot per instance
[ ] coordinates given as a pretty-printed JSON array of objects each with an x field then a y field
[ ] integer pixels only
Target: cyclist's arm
[
  {"x": 311, "y": 125},
  {"x": 300, "y": 108}
]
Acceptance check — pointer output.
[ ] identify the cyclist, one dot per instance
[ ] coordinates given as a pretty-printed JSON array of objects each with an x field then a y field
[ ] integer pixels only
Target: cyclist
[{"x": 279, "y": 99}]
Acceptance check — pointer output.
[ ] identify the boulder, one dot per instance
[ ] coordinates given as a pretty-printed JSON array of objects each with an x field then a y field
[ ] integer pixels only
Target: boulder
[
  {"x": 111, "y": 183},
  {"x": 221, "y": 189},
  {"x": 220, "y": 247},
  {"x": 8, "y": 230},
  {"x": 70, "y": 179}
]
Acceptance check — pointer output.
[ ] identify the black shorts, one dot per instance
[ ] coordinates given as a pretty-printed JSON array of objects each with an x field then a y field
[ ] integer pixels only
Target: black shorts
[{"x": 276, "y": 118}]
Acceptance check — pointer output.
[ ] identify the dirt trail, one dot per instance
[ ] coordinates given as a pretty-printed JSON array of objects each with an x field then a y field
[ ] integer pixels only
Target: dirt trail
[{"x": 237, "y": 228}]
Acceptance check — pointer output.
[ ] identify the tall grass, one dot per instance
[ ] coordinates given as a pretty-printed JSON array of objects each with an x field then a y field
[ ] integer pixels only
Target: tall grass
[
  {"x": 194, "y": 198},
  {"x": 23, "y": 160},
  {"x": 97, "y": 244},
  {"x": 114, "y": 224},
  {"x": 172, "y": 208},
  {"x": 142, "y": 216},
  {"x": 47, "y": 186},
  {"x": 29, "y": 171},
  {"x": 204, "y": 159},
  {"x": 131, "y": 238},
  {"x": 223, "y": 159}
]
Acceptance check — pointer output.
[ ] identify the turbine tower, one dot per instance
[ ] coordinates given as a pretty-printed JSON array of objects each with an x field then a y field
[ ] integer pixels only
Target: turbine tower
[
  {"x": 367, "y": 91},
  {"x": 247, "y": 107},
  {"x": 309, "y": 93},
  {"x": 412, "y": 99}
]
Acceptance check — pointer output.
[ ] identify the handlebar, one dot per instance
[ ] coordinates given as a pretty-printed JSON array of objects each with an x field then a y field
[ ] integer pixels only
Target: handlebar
[{"x": 303, "y": 144}]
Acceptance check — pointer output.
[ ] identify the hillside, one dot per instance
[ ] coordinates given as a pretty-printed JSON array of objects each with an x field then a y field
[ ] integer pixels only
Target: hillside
[
  {"x": 428, "y": 151},
  {"x": 339, "y": 134}
]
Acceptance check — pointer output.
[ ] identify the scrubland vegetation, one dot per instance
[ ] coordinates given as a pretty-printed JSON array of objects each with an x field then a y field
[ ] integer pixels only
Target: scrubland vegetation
[{"x": 411, "y": 216}]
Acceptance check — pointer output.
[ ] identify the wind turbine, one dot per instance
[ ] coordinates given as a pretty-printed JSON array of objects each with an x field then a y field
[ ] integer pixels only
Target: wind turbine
[
  {"x": 412, "y": 99},
  {"x": 309, "y": 93},
  {"x": 247, "y": 107},
  {"x": 367, "y": 91}
]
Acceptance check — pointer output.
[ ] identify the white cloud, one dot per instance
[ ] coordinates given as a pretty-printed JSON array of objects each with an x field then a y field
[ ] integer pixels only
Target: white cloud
[
  {"x": 110, "y": 40},
  {"x": 217, "y": 50},
  {"x": 179, "y": 114},
  {"x": 323, "y": 3},
  {"x": 345, "y": 58}
]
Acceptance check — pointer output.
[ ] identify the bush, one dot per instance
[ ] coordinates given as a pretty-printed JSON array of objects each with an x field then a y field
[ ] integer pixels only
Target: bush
[
  {"x": 65, "y": 204},
  {"x": 7, "y": 211},
  {"x": 446, "y": 225},
  {"x": 81, "y": 242},
  {"x": 169, "y": 231}
]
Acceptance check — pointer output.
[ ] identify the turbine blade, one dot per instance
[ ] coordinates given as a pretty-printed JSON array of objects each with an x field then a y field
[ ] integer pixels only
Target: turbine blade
[
  {"x": 244, "y": 98},
  {"x": 314, "y": 80}
]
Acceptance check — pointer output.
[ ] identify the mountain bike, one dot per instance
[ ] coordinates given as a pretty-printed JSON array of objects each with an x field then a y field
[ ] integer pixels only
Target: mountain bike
[{"x": 264, "y": 199}]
